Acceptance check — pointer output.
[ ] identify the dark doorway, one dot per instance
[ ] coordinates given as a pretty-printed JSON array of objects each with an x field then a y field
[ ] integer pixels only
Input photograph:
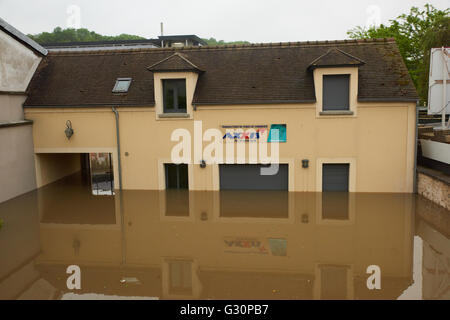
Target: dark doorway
[
  {"x": 176, "y": 176},
  {"x": 335, "y": 177},
  {"x": 335, "y": 197}
]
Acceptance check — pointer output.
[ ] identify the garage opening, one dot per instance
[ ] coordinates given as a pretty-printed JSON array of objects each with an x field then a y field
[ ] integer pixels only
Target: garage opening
[
  {"x": 335, "y": 197},
  {"x": 76, "y": 188},
  {"x": 248, "y": 177},
  {"x": 93, "y": 169}
]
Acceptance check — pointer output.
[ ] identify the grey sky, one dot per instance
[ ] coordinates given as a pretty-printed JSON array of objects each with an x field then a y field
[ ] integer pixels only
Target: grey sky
[{"x": 252, "y": 20}]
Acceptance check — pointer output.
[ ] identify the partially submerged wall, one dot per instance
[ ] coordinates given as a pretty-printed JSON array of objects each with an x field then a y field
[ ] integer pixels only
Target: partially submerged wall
[{"x": 434, "y": 186}]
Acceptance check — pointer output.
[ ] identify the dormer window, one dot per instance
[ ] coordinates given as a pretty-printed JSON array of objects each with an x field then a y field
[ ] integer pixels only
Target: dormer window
[
  {"x": 122, "y": 85},
  {"x": 174, "y": 95},
  {"x": 175, "y": 78},
  {"x": 336, "y": 92}
]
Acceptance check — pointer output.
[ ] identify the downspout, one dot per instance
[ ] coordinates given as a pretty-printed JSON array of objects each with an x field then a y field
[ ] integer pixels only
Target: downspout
[
  {"x": 416, "y": 147},
  {"x": 116, "y": 113},
  {"x": 122, "y": 220}
]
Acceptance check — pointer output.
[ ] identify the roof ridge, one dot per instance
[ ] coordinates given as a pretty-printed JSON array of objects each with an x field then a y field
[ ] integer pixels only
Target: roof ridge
[{"x": 231, "y": 47}]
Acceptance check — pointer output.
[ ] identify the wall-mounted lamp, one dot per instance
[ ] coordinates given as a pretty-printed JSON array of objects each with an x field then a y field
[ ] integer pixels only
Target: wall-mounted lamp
[
  {"x": 69, "y": 130},
  {"x": 204, "y": 216},
  {"x": 203, "y": 164},
  {"x": 305, "y": 163}
]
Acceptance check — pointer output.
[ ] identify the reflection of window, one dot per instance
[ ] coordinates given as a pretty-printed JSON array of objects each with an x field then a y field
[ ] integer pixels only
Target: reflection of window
[
  {"x": 180, "y": 277},
  {"x": 176, "y": 176},
  {"x": 335, "y": 205},
  {"x": 177, "y": 203},
  {"x": 336, "y": 92},
  {"x": 174, "y": 95},
  {"x": 333, "y": 282},
  {"x": 277, "y": 133},
  {"x": 254, "y": 204}
]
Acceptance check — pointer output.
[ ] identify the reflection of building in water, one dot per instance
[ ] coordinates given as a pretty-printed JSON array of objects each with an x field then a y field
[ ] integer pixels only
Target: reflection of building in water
[
  {"x": 19, "y": 247},
  {"x": 225, "y": 245},
  {"x": 435, "y": 263},
  {"x": 205, "y": 251}
]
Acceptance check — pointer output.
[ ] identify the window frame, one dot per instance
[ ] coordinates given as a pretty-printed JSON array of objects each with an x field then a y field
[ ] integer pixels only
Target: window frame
[
  {"x": 330, "y": 109},
  {"x": 176, "y": 106}
]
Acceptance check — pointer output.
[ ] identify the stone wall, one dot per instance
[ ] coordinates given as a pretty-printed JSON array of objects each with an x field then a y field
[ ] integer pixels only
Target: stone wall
[{"x": 434, "y": 186}]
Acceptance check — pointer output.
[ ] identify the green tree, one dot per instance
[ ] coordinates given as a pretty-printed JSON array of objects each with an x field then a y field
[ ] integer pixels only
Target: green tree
[
  {"x": 77, "y": 35},
  {"x": 415, "y": 33},
  {"x": 214, "y": 42}
]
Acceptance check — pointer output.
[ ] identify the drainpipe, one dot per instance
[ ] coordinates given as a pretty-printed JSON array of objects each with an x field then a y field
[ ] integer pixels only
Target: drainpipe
[
  {"x": 122, "y": 219},
  {"x": 116, "y": 113},
  {"x": 415, "y": 148}
]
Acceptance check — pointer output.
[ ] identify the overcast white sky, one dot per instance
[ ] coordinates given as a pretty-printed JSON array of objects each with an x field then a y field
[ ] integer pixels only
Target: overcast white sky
[{"x": 251, "y": 20}]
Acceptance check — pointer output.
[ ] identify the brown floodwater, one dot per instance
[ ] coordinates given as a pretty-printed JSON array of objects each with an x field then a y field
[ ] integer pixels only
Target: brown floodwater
[{"x": 221, "y": 245}]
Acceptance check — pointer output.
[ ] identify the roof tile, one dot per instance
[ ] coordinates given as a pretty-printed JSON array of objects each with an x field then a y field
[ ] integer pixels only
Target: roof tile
[{"x": 245, "y": 74}]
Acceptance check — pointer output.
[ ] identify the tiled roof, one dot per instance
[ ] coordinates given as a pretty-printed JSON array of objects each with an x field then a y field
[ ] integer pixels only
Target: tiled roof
[{"x": 245, "y": 74}]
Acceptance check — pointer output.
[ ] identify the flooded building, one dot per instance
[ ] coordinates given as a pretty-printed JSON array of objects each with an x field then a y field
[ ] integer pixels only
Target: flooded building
[
  {"x": 19, "y": 59},
  {"x": 342, "y": 114}
]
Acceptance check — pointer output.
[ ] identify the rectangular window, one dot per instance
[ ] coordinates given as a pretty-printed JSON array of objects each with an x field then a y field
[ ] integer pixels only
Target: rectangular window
[
  {"x": 336, "y": 92},
  {"x": 174, "y": 95},
  {"x": 176, "y": 176},
  {"x": 180, "y": 277},
  {"x": 335, "y": 185},
  {"x": 335, "y": 177},
  {"x": 333, "y": 282}
]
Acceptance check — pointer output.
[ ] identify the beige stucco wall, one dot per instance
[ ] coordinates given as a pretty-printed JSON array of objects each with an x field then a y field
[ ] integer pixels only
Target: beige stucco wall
[
  {"x": 17, "y": 64},
  {"x": 379, "y": 141},
  {"x": 17, "y": 174},
  {"x": 11, "y": 107}
]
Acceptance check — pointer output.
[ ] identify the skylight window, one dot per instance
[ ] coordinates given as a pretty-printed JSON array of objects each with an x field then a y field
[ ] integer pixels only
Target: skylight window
[{"x": 122, "y": 85}]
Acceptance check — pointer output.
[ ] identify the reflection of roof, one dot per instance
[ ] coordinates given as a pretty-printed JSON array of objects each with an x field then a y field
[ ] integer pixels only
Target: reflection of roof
[
  {"x": 335, "y": 58},
  {"x": 175, "y": 62},
  {"x": 183, "y": 38},
  {"x": 236, "y": 74},
  {"x": 19, "y": 36}
]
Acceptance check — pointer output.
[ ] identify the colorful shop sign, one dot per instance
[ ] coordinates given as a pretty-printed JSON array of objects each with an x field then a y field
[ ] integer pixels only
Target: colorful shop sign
[
  {"x": 245, "y": 133},
  {"x": 272, "y": 246},
  {"x": 253, "y": 133}
]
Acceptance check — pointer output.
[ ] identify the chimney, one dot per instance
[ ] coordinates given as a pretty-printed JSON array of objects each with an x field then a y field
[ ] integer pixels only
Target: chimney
[{"x": 162, "y": 29}]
